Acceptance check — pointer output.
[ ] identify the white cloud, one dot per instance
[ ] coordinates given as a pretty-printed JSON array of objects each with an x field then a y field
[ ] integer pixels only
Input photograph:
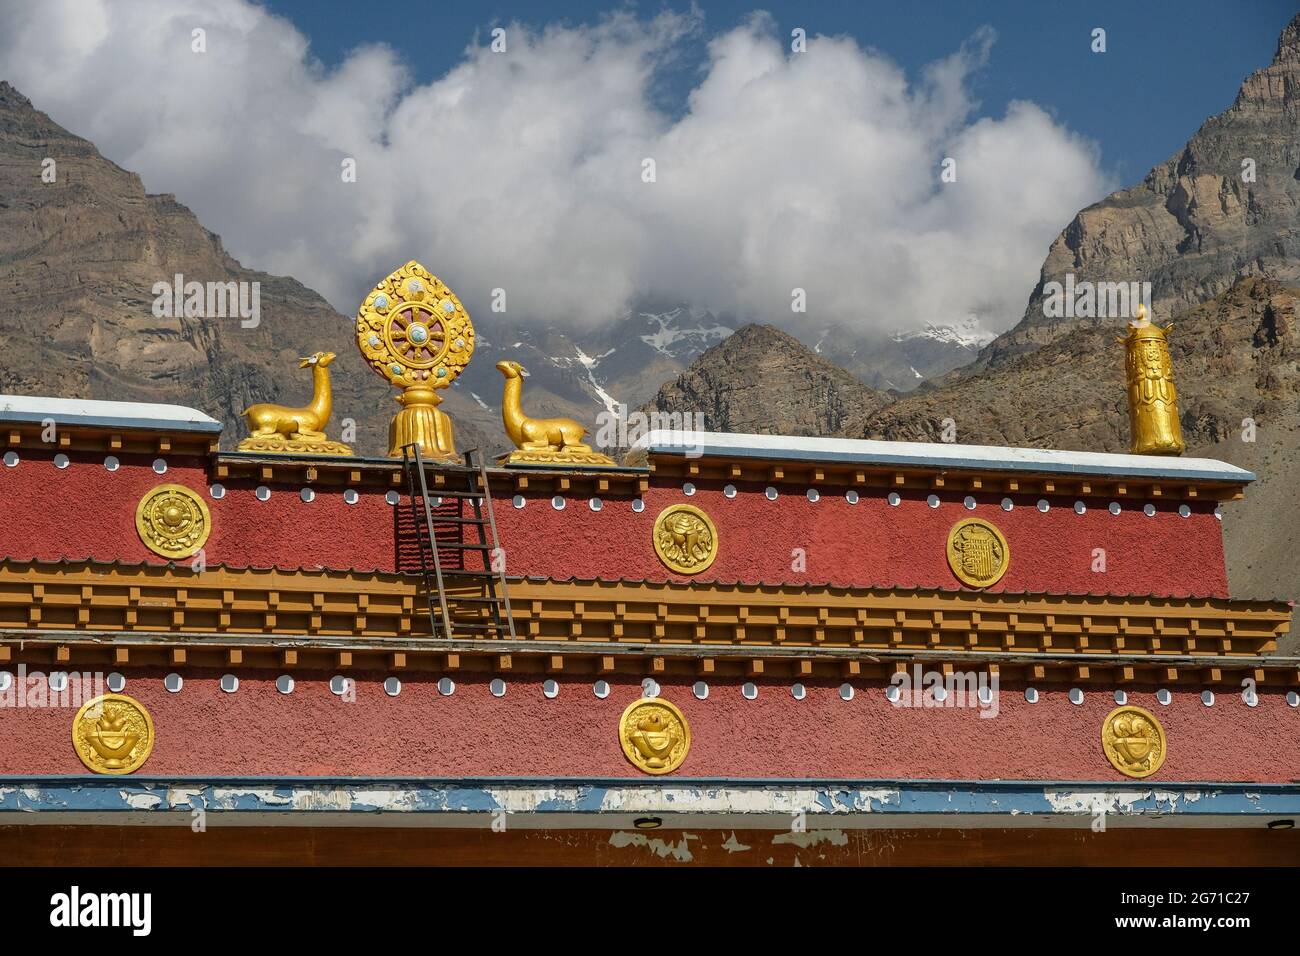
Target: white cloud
[{"x": 522, "y": 169}]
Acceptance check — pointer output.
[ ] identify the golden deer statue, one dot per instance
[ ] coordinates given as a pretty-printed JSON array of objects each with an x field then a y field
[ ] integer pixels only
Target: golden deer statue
[
  {"x": 279, "y": 428},
  {"x": 541, "y": 440}
]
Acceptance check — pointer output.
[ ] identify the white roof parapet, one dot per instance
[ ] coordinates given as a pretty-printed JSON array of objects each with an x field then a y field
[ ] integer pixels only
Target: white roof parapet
[
  {"x": 908, "y": 454},
  {"x": 84, "y": 411}
]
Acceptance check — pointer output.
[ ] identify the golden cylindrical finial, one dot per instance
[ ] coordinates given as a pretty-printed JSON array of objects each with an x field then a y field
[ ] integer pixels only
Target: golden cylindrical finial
[{"x": 1154, "y": 428}]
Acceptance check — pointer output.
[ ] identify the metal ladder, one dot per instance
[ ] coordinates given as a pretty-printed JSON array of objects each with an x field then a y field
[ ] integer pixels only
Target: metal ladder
[{"x": 469, "y": 603}]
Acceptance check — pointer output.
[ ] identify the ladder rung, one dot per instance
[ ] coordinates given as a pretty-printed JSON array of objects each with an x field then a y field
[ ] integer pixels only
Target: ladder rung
[{"x": 438, "y": 520}]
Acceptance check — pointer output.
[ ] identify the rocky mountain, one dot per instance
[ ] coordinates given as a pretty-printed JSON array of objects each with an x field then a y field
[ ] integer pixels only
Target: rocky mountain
[
  {"x": 901, "y": 361},
  {"x": 79, "y": 260},
  {"x": 1224, "y": 207},
  {"x": 763, "y": 380}
]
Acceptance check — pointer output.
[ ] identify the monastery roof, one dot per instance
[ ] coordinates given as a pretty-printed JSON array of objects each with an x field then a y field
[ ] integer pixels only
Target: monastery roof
[
  {"x": 906, "y": 454},
  {"x": 126, "y": 415}
]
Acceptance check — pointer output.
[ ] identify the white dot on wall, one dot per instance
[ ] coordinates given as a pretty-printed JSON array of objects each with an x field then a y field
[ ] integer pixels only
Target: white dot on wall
[
  {"x": 1292, "y": 698},
  {"x": 600, "y": 689},
  {"x": 519, "y": 501},
  {"x": 497, "y": 687},
  {"x": 770, "y": 492},
  {"x": 638, "y": 505},
  {"x": 798, "y": 692},
  {"x": 61, "y": 460},
  {"x": 550, "y": 689},
  {"x": 174, "y": 683},
  {"x": 350, "y": 497},
  {"x": 595, "y": 504},
  {"x": 160, "y": 465},
  {"x": 700, "y": 690},
  {"x": 688, "y": 489},
  {"x": 1164, "y": 697},
  {"x": 749, "y": 690},
  {"x": 229, "y": 683},
  {"x": 1184, "y": 511},
  {"x": 263, "y": 493},
  {"x": 1121, "y": 697},
  {"x": 1080, "y": 508},
  {"x": 307, "y": 494},
  {"x": 58, "y": 681},
  {"x": 284, "y": 684},
  {"x": 940, "y": 694},
  {"x": 892, "y": 693},
  {"x": 446, "y": 686},
  {"x": 1218, "y": 513},
  {"x": 1149, "y": 510},
  {"x": 1076, "y": 695},
  {"x": 339, "y": 685},
  {"x": 116, "y": 682},
  {"x": 846, "y": 691},
  {"x": 392, "y": 497},
  {"x": 11, "y": 459},
  {"x": 649, "y": 687},
  {"x": 392, "y": 686},
  {"x": 1207, "y": 698},
  {"x": 894, "y": 499},
  {"x": 985, "y": 695},
  {"x": 851, "y": 497},
  {"x": 1043, "y": 505},
  {"x": 969, "y": 503},
  {"x": 814, "y": 494},
  {"x": 1031, "y": 694},
  {"x": 558, "y": 502},
  {"x": 729, "y": 491},
  {"x": 1114, "y": 508},
  {"x": 217, "y": 491},
  {"x": 1007, "y": 504},
  {"x": 6, "y": 680},
  {"x": 932, "y": 501}
]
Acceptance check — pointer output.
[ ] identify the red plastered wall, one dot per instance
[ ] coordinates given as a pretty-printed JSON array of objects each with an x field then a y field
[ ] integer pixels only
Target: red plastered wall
[
  {"x": 257, "y": 731},
  {"x": 84, "y": 511}
]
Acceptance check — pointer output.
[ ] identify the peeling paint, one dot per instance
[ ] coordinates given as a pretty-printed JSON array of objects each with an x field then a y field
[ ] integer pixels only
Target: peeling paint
[
  {"x": 679, "y": 851},
  {"x": 811, "y": 838},
  {"x": 733, "y": 845}
]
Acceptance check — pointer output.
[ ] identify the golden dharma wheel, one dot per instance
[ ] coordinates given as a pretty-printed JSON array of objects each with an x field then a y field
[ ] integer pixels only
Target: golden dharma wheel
[{"x": 414, "y": 331}]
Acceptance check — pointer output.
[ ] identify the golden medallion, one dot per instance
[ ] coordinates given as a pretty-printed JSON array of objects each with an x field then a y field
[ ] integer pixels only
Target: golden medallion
[
  {"x": 1133, "y": 740},
  {"x": 977, "y": 552},
  {"x": 685, "y": 539},
  {"x": 654, "y": 735},
  {"x": 173, "y": 521},
  {"x": 113, "y": 733}
]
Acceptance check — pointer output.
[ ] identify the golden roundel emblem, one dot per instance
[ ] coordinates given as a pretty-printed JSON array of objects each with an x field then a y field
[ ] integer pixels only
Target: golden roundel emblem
[
  {"x": 1133, "y": 740},
  {"x": 113, "y": 733},
  {"x": 654, "y": 735},
  {"x": 173, "y": 521},
  {"x": 977, "y": 552},
  {"x": 685, "y": 539}
]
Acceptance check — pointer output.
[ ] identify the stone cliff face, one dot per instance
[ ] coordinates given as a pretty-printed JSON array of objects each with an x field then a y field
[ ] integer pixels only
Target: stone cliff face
[
  {"x": 1225, "y": 207},
  {"x": 79, "y": 258}
]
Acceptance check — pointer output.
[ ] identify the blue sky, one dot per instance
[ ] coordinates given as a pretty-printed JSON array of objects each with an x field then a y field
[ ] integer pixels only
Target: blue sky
[
  {"x": 1168, "y": 65},
  {"x": 332, "y": 141}
]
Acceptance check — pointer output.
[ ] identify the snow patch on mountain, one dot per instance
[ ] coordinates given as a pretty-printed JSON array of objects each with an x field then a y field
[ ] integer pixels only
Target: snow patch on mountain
[
  {"x": 966, "y": 334},
  {"x": 669, "y": 333}
]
